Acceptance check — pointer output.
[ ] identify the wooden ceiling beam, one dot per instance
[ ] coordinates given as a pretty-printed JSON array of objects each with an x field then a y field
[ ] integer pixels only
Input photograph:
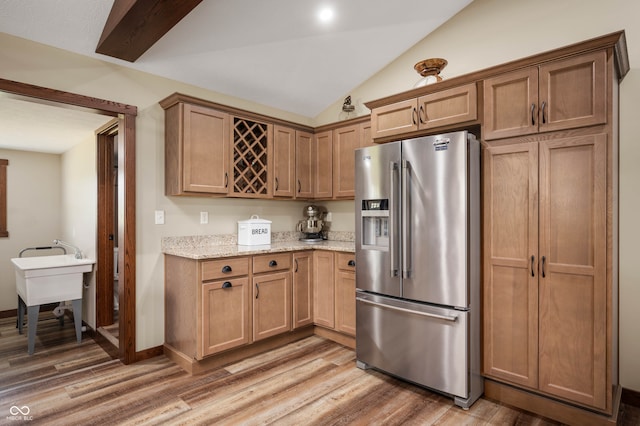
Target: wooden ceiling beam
[{"x": 133, "y": 26}]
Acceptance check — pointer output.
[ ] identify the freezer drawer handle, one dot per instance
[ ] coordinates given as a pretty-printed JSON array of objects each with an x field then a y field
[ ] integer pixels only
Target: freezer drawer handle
[{"x": 409, "y": 311}]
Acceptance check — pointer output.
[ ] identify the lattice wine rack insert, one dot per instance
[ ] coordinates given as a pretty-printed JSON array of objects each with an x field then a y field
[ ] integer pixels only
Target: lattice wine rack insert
[{"x": 250, "y": 146}]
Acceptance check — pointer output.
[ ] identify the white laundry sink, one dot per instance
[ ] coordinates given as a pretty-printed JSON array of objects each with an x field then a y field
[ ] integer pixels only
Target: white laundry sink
[{"x": 49, "y": 279}]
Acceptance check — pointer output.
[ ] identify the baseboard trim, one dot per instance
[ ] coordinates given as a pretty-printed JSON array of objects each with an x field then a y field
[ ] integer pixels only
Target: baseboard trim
[
  {"x": 343, "y": 339},
  {"x": 630, "y": 397},
  {"x": 550, "y": 408},
  {"x": 149, "y": 353}
]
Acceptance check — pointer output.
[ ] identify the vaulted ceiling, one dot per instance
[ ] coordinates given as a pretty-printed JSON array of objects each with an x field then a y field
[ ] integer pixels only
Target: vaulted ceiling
[{"x": 295, "y": 55}]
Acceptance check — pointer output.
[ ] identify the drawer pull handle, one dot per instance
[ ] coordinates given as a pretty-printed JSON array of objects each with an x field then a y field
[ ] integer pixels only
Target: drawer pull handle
[
  {"x": 257, "y": 290},
  {"x": 227, "y": 284},
  {"x": 273, "y": 263},
  {"x": 296, "y": 263},
  {"x": 544, "y": 119},
  {"x": 351, "y": 263},
  {"x": 299, "y": 186},
  {"x": 226, "y": 269},
  {"x": 277, "y": 183},
  {"x": 543, "y": 261}
]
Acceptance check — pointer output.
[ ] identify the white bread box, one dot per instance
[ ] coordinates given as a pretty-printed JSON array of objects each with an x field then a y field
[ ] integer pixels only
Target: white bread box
[{"x": 254, "y": 231}]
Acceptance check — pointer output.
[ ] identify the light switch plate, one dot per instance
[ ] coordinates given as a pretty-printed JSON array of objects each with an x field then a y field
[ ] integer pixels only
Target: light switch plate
[
  {"x": 159, "y": 217},
  {"x": 204, "y": 218}
]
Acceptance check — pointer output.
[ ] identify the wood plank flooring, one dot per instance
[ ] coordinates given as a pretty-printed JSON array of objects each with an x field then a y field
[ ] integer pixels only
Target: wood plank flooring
[{"x": 310, "y": 382}]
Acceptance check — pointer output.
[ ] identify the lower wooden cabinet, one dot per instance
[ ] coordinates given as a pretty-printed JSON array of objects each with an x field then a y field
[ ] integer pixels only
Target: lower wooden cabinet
[
  {"x": 302, "y": 289},
  {"x": 335, "y": 291},
  {"x": 323, "y": 289},
  {"x": 345, "y": 293},
  {"x": 271, "y": 295},
  {"x": 225, "y": 312},
  {"x": 218, "y": 305}
]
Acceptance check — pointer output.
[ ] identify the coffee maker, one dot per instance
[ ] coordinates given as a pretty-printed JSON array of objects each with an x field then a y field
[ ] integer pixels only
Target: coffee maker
[{"x": 313, "y": 225}]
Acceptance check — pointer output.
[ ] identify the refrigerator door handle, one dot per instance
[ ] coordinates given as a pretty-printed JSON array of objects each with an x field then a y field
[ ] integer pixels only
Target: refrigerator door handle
[
  {"x": 409, "y": 311},
  {"x": 393, "y": 244},
  {"x": 406, "y": 217}
]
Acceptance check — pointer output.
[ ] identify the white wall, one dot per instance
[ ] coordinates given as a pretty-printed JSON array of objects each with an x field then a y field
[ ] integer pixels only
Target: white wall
[
  {"x": 491, "y": 32},
  {"x": 33, "y": 212},
  {"x": 78, "y": 183}
]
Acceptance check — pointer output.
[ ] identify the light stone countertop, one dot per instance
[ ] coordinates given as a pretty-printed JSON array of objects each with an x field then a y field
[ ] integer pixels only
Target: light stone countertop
[{"x": 217, "y": 246}]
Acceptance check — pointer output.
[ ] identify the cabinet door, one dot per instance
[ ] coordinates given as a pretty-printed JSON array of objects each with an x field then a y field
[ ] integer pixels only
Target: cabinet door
[
  {"x": 345, "y": 289},
  {"x": 205, "y": 150},
  {"x": 394, "y": 119},
  {"x": 323, "y": 289},
  {"x": 345, "y": 141},
  {"x": 271, "y": 304},
  {"x": 305, "y": 167},
  {"x": 225, "y": 315},
  {"x": 511, "y": 104},
  {"x": 573, "y": 283},
  {"x": 366, "y": 138},
  {"x": 302, "y": 289},
  {"x": 510, "y": 296},
  {"x": 250, "y": 158},
  {"x": 451, "y": 106},
  {"x": 284, "y": 152},
  {"x": 573, "y": 92},
  {"x": 323, "y": 157}
]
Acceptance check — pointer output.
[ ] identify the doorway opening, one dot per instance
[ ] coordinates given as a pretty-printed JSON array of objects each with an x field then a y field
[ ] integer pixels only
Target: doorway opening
[{"x": 126, "y": 208}]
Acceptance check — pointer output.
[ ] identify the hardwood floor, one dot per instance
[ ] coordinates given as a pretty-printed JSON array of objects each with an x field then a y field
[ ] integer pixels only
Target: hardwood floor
[{"x": 310, "y": 382}]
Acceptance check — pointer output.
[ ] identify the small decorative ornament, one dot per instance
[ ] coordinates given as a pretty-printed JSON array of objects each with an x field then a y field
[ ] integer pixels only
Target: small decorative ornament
[
  {"x": 347, "y": 108},
  {"x": 429, "y": 69}
]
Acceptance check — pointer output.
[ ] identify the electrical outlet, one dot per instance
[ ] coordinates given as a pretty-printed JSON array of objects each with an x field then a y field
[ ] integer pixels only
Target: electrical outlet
[
  {"x": 204, "y": 218},
  {"x": 159, "y": 217}
]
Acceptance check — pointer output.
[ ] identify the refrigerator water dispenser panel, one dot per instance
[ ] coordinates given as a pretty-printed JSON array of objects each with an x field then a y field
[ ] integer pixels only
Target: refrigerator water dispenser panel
[{"x": 375, "y": 224}]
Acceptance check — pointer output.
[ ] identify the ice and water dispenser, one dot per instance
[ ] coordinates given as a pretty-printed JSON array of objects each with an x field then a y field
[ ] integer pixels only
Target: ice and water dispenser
[{"x": 375, "y": 224}]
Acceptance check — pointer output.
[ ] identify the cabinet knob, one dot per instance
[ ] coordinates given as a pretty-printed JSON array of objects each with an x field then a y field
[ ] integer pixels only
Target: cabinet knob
[
  {"x": 226, "y": 269},
  {"x": 273, "y": 263},
  {"x": 227, "y": 284},
  {"x": 351, "y": 263}
]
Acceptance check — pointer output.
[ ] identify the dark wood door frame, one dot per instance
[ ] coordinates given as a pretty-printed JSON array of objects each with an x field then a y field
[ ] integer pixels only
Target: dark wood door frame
[
  {"x": 107, "y": 230},
  {"x": 126, "y": 115}
]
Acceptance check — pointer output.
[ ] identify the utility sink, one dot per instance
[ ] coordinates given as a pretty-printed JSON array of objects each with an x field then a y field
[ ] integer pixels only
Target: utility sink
[{"x": 49, "y": 279}]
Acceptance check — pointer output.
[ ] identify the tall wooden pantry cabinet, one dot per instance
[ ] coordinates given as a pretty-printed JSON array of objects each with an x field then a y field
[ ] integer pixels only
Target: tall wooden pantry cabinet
[{"x": 550, "y": 200}]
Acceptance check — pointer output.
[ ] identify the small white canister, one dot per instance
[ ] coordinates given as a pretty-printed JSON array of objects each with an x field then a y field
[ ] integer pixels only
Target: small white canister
[{"x": 254, "y": 231}]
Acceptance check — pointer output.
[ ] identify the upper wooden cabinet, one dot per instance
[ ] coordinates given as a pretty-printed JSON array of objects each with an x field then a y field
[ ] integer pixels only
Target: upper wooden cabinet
[
  {"x": 323, "y": 170},
  {"x": 562, "y": 94},
  {"x": 304, "y": 165},
  {"x": 335, "y": 160},
  {"x": 196, "y": 150},
  {"x": 345, "y": 141},
  {"x": 434, "y": 110},
  {"x": 293, "y": 165},
  {"x": 284, "y": 161}
]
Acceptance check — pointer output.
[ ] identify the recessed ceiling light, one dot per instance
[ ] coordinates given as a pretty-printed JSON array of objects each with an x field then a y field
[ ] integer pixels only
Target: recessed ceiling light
[{"x": 325, "y": 14}]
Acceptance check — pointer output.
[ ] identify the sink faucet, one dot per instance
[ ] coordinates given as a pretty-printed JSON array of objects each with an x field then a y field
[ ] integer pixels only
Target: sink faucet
[{"x": 78, "y": 252}]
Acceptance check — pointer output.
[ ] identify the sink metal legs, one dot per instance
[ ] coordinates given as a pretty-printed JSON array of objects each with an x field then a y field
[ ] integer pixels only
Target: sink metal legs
[{"x": 32, "y": 318}]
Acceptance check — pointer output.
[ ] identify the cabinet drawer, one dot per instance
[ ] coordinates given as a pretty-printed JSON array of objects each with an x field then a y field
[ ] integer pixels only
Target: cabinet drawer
[
  {"x": 346, "y": 261},
  {"x": 271, "y": 262},
  {"x": 225, "y": 268}
]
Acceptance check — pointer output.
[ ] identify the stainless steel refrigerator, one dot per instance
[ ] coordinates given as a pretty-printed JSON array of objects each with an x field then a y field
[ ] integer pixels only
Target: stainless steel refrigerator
[{"x": 418, "y": 262}]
